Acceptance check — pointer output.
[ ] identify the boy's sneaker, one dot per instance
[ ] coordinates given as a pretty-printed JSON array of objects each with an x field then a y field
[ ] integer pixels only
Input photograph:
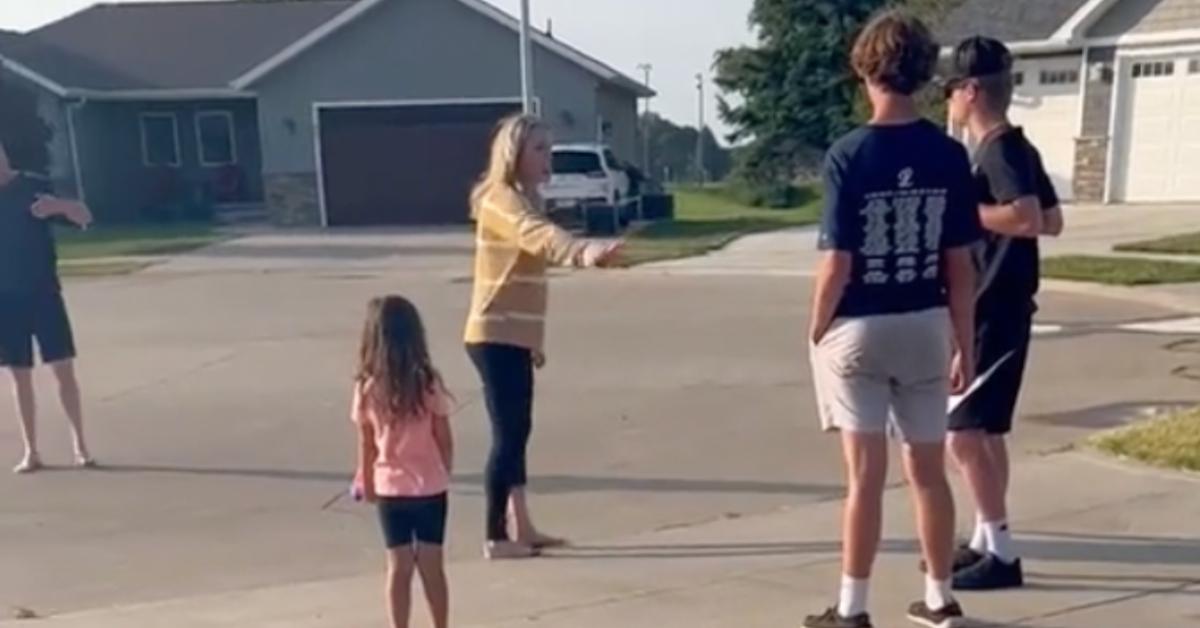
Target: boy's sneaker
[
  {"x": 990, "y": 574},
  {"x": 950, "y": 616},
  {"x": 831, "y": 619},
  {"x": 964, "y": 557}
]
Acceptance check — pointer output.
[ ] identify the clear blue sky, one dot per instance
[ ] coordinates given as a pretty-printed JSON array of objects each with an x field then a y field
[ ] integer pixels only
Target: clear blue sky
[{"x": 678, "y": 37}]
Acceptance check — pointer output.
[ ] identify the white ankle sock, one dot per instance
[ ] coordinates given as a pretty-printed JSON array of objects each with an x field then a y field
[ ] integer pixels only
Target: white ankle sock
[
  {"x": 853, "y": 598},
  {"x": 937, "y": 593},
  {"x": 979, "y": 538},
  {"x": 999, "y": 540}
]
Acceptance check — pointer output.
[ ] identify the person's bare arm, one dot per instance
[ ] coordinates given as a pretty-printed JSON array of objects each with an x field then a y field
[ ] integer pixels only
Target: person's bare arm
[
  {"x": 445, "y": 440},
  {"x": 1021, "y": 218},
  {"x": 47, "y": 207},
  {"x": 960, "y": 286},
  {"x": 833, "y": 273},
  {"x": 1053, "y": 222},
  {"x": 364, "y": 476}
]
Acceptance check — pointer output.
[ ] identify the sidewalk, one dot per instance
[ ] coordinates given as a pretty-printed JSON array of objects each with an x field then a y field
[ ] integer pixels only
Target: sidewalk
[{"x": 1104, "y": 544}]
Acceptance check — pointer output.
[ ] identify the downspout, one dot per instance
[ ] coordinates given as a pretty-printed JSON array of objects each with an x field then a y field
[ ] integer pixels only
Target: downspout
[{"x": 72, "y": 108}]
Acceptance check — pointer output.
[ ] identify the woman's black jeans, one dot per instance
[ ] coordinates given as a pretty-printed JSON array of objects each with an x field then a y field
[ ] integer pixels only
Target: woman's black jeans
[{"x": 507, "y": 374}]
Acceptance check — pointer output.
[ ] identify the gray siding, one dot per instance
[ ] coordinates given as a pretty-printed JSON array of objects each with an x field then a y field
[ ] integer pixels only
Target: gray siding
[
  {"x": 417, "y": 50},
  {"x": 621, "y": 113},
  {"x": 1148, "y": 16},
  {"x": 120, "y": 188}
]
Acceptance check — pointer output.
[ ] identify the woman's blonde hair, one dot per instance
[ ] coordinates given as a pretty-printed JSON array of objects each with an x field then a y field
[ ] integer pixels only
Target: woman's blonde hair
[{"x": 509, "y": 139}]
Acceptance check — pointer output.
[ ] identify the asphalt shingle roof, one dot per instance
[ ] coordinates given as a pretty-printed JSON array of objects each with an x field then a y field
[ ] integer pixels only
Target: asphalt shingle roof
[
  {"x": 169, "y": 45},
  {"x": 1008, "y": 20}
]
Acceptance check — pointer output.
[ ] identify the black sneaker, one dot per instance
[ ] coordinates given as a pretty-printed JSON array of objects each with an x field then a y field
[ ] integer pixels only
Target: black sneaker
[
  {"x": 990, "y": 574},
  {"x": 949, "y": 616},
  {"x": 831, "y": 619},
  {"x": 964, "y": 557}
]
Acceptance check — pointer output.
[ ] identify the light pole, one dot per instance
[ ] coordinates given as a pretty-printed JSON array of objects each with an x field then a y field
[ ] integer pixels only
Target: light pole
[
  {"x": 526, "y": 61},
  {"x": 646, "y": 68},
  {"x": 700, "y": 132}
]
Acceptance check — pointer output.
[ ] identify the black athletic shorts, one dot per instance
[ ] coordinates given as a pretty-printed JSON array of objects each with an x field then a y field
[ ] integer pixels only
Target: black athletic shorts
[
  {"x": 29, "y": 318},
  {"x": 409, "y": 520},
  {"x": 998, "y": 333}
]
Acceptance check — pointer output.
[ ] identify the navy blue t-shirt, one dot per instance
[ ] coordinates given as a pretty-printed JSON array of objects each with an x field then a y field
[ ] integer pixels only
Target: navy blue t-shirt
[
  {"x": 896, "y": 197},
  {"x": 28, "y": 263}
]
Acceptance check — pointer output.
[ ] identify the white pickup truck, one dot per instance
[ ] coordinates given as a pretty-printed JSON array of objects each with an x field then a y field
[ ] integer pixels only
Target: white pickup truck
[{"x": 585, "y": 174}]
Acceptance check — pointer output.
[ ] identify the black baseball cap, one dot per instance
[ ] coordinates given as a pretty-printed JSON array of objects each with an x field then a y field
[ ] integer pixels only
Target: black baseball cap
[{"x": 975, "y": 57}]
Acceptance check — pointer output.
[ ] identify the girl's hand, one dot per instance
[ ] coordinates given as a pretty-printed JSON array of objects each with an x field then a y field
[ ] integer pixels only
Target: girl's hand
[
  {"x": 539, "y": 360},
  {"x": 610, "y": 255}
]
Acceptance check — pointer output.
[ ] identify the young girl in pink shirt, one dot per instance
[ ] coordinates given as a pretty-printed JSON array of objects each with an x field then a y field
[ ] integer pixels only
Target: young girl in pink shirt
[{"x": 405, "y": 452}]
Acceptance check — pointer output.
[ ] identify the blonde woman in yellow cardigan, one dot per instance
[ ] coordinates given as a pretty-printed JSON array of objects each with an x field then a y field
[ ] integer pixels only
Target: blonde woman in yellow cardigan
[{"x": 515, "y": 242}]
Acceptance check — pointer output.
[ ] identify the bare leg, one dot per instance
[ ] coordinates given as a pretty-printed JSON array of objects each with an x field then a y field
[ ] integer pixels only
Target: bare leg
[
  {"x": 68, "y": 393},
  {"x": 430, "y": 565},
  {"x": 27, "y": 410},
  {"x": 399, "y": 585},
  {"x": 998, "y": 451},
  {"x": 862, "y": 523},
  {"x": 521, "y": 522},
  {"x": 973, "y": 455},
  {"x": 925, "y": 466}
]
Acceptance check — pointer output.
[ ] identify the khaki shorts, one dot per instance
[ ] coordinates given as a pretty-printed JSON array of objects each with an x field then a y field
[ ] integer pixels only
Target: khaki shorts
[{"x": 893, "y": 370}]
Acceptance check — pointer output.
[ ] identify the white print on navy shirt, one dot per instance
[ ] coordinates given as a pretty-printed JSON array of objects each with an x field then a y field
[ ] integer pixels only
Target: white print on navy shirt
[{"x": 913, "y": 252}]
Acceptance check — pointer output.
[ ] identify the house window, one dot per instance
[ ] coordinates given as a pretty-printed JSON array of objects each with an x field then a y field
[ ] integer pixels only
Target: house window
[
  {"x": 160, "y": 139},
  {"x": 1018, "y": 79},
  {"x": 1153, "y": 69},
  {"x": 215, "y": 138},
  {"x": 1059, "y": 77},
  {"x": 1194, "y": 66}
]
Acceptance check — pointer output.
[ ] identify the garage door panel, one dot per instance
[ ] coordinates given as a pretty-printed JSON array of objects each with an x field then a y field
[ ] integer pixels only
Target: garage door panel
[
  {"x": 1159, "y": 146},
  {"x": 404, "y": 165},
  {"x": 1046, "y": 105}
]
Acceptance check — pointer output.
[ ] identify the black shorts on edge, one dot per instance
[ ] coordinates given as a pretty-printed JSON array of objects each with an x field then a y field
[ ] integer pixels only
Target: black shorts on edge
[
  {"x": 29, "y": 318},
  {"x": 991, "y": 407},
  {"x": 408, "y": 520}
]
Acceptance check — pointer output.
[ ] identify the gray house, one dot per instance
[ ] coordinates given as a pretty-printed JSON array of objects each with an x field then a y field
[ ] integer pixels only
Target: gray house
[
  {"x": 323, "y": 112},
  {"x": 1109, "y": 90}
]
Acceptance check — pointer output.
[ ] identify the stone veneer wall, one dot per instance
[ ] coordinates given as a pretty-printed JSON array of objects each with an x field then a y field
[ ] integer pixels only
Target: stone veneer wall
[
  {"x": 1091, "y": 147},
  {"x": 292, "y": 199}
]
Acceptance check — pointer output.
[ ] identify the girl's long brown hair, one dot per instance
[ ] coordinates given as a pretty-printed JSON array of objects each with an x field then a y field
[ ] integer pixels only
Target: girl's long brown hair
[{"x": 394, "y": 359}]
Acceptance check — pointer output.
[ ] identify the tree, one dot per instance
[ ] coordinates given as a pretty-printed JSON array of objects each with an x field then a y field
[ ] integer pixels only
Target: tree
[
  {"x": 794, "y": 93},
  {"x": 794, "y": 90},
  {"x": 25, "y": 135},
  {"x": 673, "y": 151}
]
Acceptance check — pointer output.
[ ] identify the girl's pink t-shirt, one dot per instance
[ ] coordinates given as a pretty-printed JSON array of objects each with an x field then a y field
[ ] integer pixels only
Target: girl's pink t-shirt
[{"x": 409, "y": 463}]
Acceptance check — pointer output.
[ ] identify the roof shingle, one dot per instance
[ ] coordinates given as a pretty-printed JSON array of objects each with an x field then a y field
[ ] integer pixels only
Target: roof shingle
[
  {"x": 1008, "y": 20},
  {"x": 169, "y": 45}
]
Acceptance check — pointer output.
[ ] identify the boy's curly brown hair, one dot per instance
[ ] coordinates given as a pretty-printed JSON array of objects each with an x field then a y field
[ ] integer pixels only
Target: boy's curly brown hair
[{"x": 896, "y": 51}]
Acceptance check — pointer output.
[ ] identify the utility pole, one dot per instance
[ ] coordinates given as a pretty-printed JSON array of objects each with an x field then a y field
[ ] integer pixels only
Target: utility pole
[
  {"x": 700, "y": 132},
  {"x": 526, "y": 61},
  {"x": 646, "y": 68}
]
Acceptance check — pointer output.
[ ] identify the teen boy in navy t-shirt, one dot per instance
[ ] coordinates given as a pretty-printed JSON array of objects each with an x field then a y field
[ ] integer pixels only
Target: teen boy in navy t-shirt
[{"x": 893, "y": 297}]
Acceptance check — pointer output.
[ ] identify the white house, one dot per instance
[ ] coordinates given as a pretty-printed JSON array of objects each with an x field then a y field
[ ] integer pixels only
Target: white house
[{"x": 1109, "y": 90}]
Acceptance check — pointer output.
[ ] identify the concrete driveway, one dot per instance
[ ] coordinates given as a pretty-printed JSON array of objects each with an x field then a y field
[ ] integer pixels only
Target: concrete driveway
[{"x": 218, "y": 388}]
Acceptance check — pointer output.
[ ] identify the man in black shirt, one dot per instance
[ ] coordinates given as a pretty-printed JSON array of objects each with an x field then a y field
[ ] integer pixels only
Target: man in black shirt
[
  {"x": 1017, "y": 205},
  {"x": 31, "y": 304}
]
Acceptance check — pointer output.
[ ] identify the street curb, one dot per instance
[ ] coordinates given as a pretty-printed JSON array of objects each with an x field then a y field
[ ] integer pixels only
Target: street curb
[{"x": 1145, "y": 295}]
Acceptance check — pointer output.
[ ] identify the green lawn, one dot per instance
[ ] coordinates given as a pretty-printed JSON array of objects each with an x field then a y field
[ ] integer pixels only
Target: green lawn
[
  {"x": 706, "y": 221},
  {"x": 133, "y": 241},
  {"x": 1120, "y": 271},
  {"x": 1172, "y": 441},
  {"x": 1184, "y": 244}
]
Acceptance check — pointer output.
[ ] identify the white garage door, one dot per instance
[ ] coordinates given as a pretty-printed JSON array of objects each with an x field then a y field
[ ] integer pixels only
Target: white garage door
[
  {"x": 1046, "y": 104},
  {"x": 1158, "y": 154}
]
